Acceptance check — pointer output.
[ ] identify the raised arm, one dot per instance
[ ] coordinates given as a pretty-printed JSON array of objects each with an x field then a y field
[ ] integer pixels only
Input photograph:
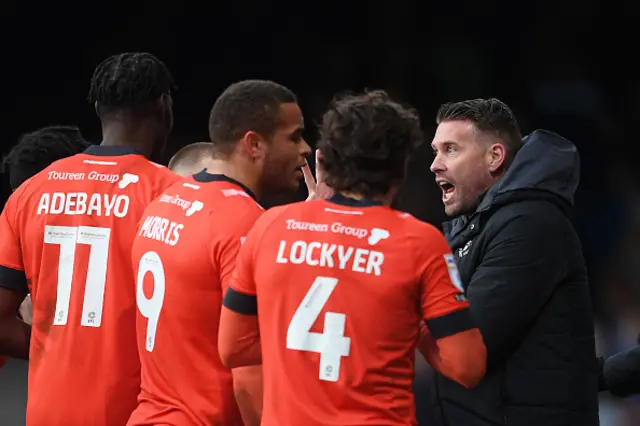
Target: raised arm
[{"x": 449, "y": 341}]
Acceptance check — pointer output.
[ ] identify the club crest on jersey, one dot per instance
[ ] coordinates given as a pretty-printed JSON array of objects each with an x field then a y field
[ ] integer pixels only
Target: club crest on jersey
[
  {"x": 377, "y": 235},
  {"x": 126, "y": 179},
  {"x": 196, "y": 206}
]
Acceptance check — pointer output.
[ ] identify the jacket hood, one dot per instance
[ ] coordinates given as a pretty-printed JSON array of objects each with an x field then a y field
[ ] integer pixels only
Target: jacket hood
[
  {"x": 546, "y": 163},
  {"x": 547, "y": 166}
]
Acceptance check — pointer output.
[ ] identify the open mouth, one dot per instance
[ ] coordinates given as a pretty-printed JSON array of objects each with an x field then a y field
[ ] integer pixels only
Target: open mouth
[{"x": 447, "y": 190}]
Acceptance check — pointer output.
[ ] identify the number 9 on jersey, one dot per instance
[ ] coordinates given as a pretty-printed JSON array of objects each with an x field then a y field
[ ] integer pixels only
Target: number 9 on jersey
[{"x": 150, "y": 307}]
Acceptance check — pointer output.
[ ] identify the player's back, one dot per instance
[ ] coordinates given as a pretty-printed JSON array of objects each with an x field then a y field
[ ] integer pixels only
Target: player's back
[
  {"x": 77, "y": 219},
  {"x": 339, "y": 310},
  {"x": 183, "y": 251}
]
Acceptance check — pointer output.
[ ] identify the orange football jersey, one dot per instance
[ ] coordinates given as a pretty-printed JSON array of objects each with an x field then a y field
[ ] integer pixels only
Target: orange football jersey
[
  {"x": 340, "y": 288},
  {"x": 184, "y": 250},
  {"x": 68, "y": 233}
]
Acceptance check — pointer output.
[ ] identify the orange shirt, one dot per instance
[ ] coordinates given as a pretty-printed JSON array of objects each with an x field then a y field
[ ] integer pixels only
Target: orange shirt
[
  {"x": 68, "y": 233},
  {"x": 184, "y": 250},
  {"x": 340, "y": 288}
]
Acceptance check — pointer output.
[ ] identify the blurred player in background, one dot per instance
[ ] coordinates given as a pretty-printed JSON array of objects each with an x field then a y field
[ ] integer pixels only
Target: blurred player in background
[
  {"x": 37, "y": 150},
  {"x": 66, "y": 235},
  {"x": 185, "y": 251},
  {"x": 340, "y": 286},
  {"x": 191, "y": 159},
  {"x": 33, "y": 153}
]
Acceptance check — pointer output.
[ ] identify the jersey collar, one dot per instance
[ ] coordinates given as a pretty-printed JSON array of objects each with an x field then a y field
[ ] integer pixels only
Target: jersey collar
[
  {"x": 346, "y": 201},
  {"x": 110, "y": 151},
  {"x": 205, "y": 177}
]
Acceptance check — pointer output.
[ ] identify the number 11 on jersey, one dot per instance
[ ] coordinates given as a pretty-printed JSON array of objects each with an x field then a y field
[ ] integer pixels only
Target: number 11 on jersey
[
  {"x": 67, "y": 237},
  {"x": 331, "y": 344}
]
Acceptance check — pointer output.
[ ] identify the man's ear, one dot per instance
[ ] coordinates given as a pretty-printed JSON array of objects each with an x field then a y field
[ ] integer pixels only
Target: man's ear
[
  {"x": 497, "y": 154},
  {"x": 254, "y": 145}
]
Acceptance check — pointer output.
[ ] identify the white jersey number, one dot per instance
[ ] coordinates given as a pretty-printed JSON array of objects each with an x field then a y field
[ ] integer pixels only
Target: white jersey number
[
  {"x": 150, "y": 307},
  {"x": 331, "y": 344},
  {"x": 67, "y": 237}
]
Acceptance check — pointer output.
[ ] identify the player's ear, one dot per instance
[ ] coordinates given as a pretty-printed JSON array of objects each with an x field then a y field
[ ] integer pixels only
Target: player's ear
[{"x": 254, "y": 145}]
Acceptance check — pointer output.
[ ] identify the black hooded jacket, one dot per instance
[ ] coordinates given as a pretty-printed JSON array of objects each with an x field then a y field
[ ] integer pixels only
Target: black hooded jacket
[{"x": 522, "y": 266}]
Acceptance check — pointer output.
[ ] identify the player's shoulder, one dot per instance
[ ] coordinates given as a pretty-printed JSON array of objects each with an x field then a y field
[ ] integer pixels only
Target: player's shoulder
[
  {"x": 417, "y": 232},
  {"x": 67, "y": 164},
  {"x": 44, "y": 178},
  {"x": 285, "y": 211},
  {"x": 220, "y": 204},
  {"x": 154, "y": 170},
  {"x": 233, "y": 201},
  {"x": 417, "y": 226}
]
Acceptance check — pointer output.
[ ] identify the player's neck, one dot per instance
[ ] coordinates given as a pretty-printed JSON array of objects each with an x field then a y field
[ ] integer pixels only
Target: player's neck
[
  {"x": 119, "y": 133},
  {"x": 241, "y": 174},
  {"x": 384, "y": 199}
]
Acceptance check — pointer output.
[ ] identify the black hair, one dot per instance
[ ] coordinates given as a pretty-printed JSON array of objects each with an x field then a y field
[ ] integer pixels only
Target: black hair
[
  {"x": 35, "y": 151},
  {"x": 490, "y": 116},
  {"x": 365, "y": 142},
  {"x": 249, "y": 105},
  {"x": 129, "y": 81}
]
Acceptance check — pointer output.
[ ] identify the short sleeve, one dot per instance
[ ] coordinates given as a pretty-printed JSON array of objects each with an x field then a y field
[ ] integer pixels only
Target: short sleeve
[
  {"x": 443, "y": 303},
  {"x": 12, "y": 275},
  {"x": 234, "y": 235},
  {"x": 240, "y": 296}
]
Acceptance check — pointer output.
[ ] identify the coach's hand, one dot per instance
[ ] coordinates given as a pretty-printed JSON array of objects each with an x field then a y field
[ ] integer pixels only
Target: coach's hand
[
  {"x": 318, "y": 189},
  {"x": 26, "y": 310}
]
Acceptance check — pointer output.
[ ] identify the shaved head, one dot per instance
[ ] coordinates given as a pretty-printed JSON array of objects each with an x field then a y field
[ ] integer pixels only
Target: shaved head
[{"x": 191, "y": 158}]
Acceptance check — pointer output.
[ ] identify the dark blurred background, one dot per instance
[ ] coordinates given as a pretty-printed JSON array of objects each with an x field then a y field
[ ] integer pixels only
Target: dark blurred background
[{"x": 563, "y": 66}]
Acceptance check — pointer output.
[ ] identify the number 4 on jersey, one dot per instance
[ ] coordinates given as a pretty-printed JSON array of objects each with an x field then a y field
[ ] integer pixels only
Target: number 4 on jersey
[{"x": 331, "y": 344}]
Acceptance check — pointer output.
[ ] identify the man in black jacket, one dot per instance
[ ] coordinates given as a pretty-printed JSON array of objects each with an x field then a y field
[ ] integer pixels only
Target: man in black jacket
[{"x": 522, "y": 268}]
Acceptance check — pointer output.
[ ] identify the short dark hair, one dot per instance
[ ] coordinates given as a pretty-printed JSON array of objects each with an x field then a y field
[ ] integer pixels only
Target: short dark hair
[
  {"x": 35, "y": 151},
  {"x": 129, "y": 81},
  {"x": 249, "y": 105},
  {"x": 489, "y": 115},
  {"x": 365, "y": 142}
]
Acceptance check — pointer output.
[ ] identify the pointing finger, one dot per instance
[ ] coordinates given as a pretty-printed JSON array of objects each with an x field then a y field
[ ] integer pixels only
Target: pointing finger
[
  {"x": 319, "y": 171},
  {"x": 308, "y": 178}
]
